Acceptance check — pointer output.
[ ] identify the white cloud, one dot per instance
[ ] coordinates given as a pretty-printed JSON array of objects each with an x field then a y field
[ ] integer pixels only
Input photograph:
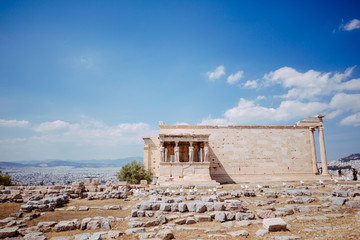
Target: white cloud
[
  {"x": 233, "y": 78},
  {"x": 251, "y": 84},
  {"x": 351, "y": 85},
  {"x": 247, "y": 112},
  {"x": 219, "y": 71},
  {"x": 14, "y": 123},
  {"x": 260, "y": 97},
  {"x": 52, "y": 126},
  {"x": 351, "y": 25},
  {"x": 311, "y": 84},
  {"x": 352, "y": 120},
  {"x": 342, "y": 102},
  {"x": 88, "y": 139}
]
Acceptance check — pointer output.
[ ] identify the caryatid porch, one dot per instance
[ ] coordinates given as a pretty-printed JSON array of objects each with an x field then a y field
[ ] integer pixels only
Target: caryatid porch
[{"x": 184, "y": 158}]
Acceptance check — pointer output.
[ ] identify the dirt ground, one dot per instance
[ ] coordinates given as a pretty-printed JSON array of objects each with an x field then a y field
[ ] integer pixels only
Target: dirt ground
[{"x": 334, "y": 228}]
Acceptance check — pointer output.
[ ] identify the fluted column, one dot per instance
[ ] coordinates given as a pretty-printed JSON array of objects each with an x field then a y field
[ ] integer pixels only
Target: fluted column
[
  {"x": 313, "y": 150},
  {"x": 177, "y": 153},
  {"x": 323, "y": 152},
  {"x": 191, "y": 153}
]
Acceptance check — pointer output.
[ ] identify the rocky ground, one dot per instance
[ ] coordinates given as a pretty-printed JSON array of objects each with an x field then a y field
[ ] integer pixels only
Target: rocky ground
[{"x": 291, "y": 210}]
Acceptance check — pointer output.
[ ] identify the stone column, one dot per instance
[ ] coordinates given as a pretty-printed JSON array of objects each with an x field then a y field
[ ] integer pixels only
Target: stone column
[
  {"x": 166, "y": 155},
  {"x": 191, "y": 153},
  {"x": 177, "y": 153},
  {"x": 161, "y": 152},
  {"x": 313, "y": 150},
  {"x": 201, "y": 155},
  {"x": 323, "y": 152},
  {"x": 206, "y": 153}
]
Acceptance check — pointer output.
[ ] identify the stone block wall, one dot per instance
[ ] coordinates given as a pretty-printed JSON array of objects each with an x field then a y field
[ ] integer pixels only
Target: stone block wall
[{"x": 239, "y": 151}]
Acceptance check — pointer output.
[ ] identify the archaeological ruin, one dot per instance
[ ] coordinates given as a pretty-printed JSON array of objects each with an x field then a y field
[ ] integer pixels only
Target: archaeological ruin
[{"x": 184, "y": 154}]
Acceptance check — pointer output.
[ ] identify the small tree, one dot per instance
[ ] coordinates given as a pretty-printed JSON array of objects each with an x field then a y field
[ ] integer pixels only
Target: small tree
[
  {"x": 134, "y": 172},
  {"x": 5, "y": 179}
]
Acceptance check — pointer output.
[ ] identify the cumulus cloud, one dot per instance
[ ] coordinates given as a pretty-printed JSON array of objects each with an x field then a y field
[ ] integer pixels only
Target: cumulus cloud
[
  {"x": 14, "y": 123},
  {"x": 342, "y": 102},
  {"x": 250, "y": 113},
  {"x": 233, "y": 78},
  {"x": 351, "y": 25},
  {"x": 219, "y": 72},
  {"x": 251, "y": 84},
  {"x": 311, "y": 84},
  {"x": 352, "y": 120},
  {"x": 307, "y": 94}
]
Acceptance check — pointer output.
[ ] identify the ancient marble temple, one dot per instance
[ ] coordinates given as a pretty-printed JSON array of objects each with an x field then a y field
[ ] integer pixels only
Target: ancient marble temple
[{"x": 184, "y": 154}]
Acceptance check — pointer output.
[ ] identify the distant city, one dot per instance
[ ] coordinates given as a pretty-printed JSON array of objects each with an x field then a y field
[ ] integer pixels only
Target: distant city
[
  {"x": 48, "y": 176},
  {"x": 56, "y": 172}
]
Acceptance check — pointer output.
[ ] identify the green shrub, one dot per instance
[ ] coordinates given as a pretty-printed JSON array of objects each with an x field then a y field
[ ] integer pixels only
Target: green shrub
[
  {"x": 134, "y": 172},
  {"x": 5, "y": 179}
]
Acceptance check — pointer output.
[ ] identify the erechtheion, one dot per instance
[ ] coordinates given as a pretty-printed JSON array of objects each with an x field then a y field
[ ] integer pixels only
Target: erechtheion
[{"x": 184, "y": 154}]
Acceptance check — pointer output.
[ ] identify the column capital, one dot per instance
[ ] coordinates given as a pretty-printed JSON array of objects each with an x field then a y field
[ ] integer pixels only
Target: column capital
[{"x": 312, "y": 129}]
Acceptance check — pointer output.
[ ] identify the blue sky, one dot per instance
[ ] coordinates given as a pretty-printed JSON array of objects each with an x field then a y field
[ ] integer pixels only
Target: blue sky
[{"x": 87, "y": 79}]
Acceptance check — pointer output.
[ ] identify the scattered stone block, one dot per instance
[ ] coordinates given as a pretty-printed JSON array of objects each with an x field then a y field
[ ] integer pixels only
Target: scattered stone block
[
  {"x": 72, "y": 208},
  {"x": 274, "y": 224},
  {"x": 263, "y": 214},
  {"x": 35, "y": 236},
  {"x": 135, "y": 224},
  {"x": 84, "y": 223},
  {"x": 180, "y": 221},
  {"x": 114, "y": 234},
  {"x": 182, "y": 207},
  {"x": 239, "y": 233},
  {"x": 66, "y": 226},
  {"x": 190, "y": 220},
  {"x": 202, "y": 218},
  {"x": 227, "y": 224},
  {"x": 83, "y": 208},
  {"x": 220, "y": 216},
  {"x": 82, "y": 236},
  {"x": 134, "y": 230},
  {"x": 105, "y": 224},
  {"x": 93, "y": 225},
  {"x": 243, "y": 223},
  {"x": 338, "y": 200},
  {"x": 165, "y": 234},
  {"x": 261, "y": 232},
  {"x": 8, "y": 232},
  {"x": 353, "y": 204}
]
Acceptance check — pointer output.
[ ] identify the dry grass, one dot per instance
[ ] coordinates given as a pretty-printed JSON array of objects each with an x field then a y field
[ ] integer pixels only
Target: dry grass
[
  {"x": 7, "y": 208},
  {"x": 70, "y": 215}
]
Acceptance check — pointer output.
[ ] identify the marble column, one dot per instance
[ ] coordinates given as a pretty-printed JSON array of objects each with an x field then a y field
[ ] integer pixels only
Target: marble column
[
  {"x": 166, "y": 155},
  {"x": 323, "y": 152},
  {"x": 191, "y": 153},
  {"x": 162, "y": 152},
  {"x": 313, "y": 150},
  {"x": 201, "y": 155},
  {"x": 177, "y": 153},
  {"x": 206, "y": 153}
]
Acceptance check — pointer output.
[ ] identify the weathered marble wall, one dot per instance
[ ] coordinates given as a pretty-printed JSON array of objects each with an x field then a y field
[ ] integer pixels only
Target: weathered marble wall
[{"x": 239, "y": 151}]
